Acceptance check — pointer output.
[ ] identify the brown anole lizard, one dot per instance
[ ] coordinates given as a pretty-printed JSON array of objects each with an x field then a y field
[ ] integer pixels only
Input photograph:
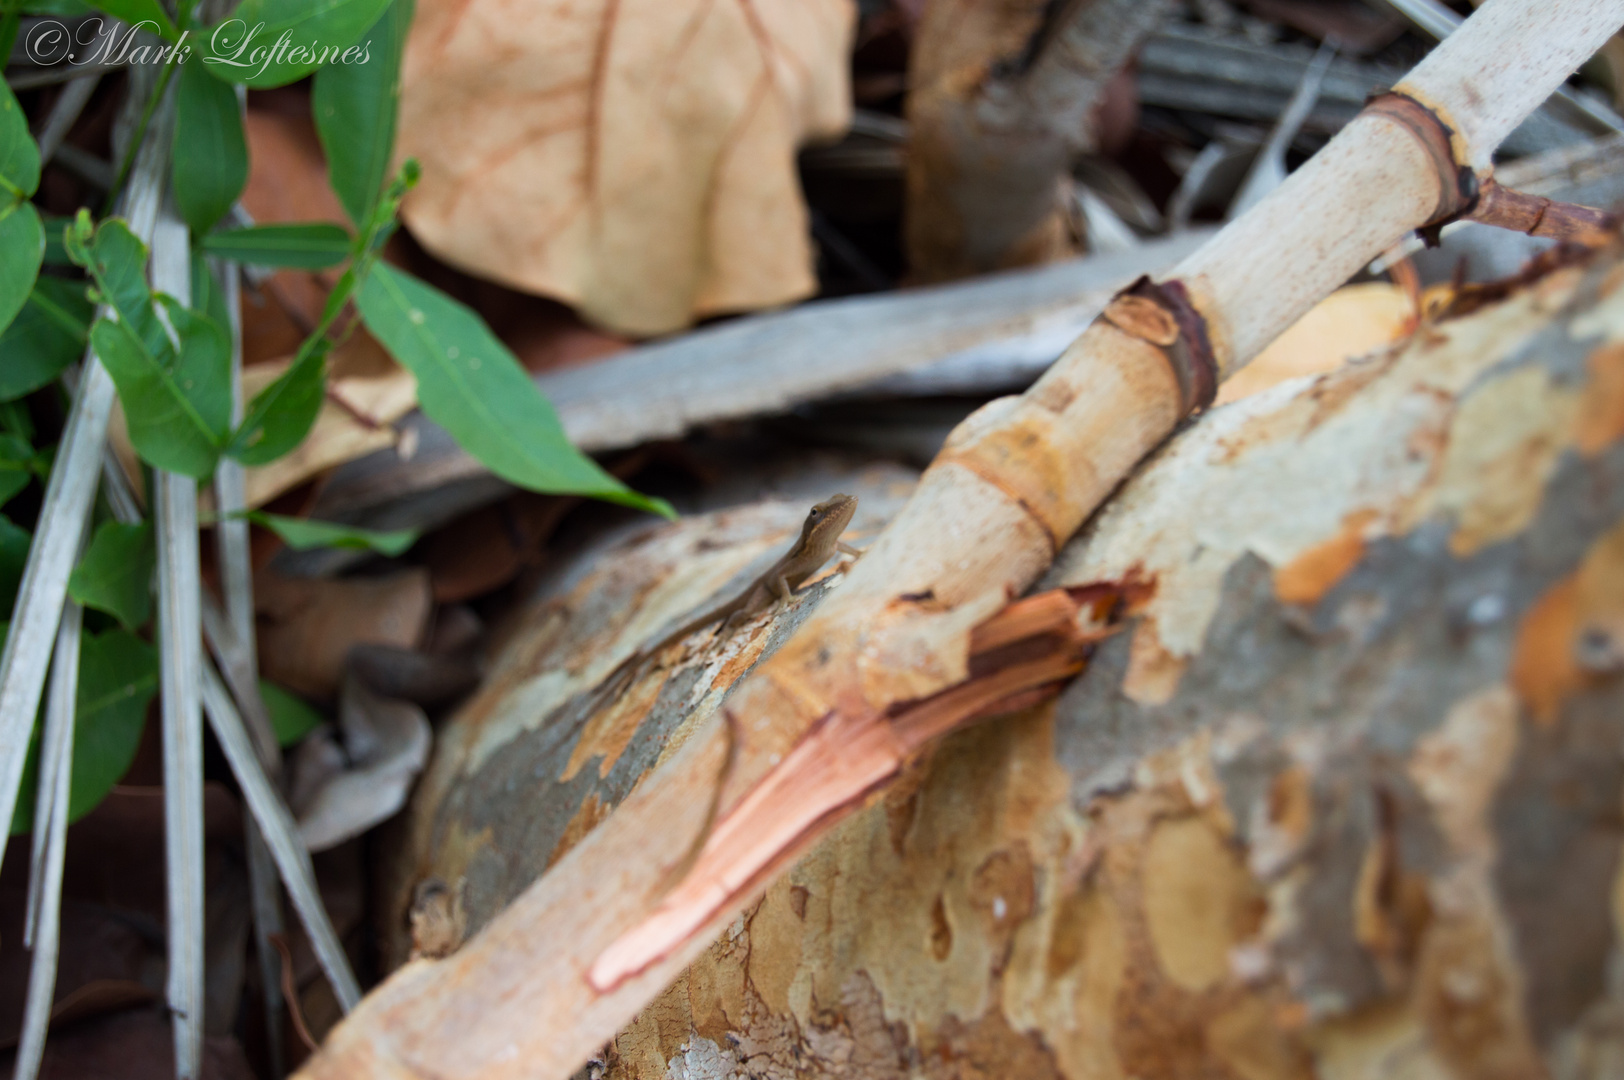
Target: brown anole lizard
[{"x": 818, "y": 542}]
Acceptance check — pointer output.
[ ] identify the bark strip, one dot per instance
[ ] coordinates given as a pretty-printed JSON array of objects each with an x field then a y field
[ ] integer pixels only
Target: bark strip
[{"x": 1019, "y": 657}]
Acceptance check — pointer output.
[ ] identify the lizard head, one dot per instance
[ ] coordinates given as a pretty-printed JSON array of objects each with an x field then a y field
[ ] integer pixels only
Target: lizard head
[{"x": 828, "y": 519}]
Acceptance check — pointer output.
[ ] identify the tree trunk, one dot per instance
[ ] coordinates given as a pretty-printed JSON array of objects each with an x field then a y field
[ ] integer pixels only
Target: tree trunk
[{"x": 1341, "y": 800}]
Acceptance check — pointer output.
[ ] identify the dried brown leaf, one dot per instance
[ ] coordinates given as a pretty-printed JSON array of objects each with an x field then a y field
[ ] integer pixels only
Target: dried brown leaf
[{"x": 635, "y": 158}]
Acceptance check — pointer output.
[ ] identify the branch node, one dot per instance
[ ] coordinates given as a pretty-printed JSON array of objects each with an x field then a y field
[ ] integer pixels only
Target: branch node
[
  {"x": 1161, "y": 314},
  {"x": 1457, "y": 183},
  {"x": 1463, "y": 195}
]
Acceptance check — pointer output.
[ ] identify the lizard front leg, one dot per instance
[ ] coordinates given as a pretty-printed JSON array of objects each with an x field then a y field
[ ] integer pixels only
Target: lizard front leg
[{"x": 781, "y": 589}]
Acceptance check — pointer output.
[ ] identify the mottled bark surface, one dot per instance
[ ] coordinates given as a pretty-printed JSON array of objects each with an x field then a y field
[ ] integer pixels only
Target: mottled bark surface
[
  {"x": 1001, "y": 101},
  {"x": 1343, "y": 801}
]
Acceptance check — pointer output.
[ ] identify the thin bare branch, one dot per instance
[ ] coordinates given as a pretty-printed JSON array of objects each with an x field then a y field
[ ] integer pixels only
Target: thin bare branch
[{"x": 1536, "y": 215}]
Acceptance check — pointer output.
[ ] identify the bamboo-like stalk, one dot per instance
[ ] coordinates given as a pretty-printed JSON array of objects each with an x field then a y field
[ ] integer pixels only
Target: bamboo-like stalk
[
  {"x": 64, "y": 663},
  {"x": 234, "y": 647},
  {"x": 43, "y": 927},
  {"x": 180, "y": 645},
  {"x": 1012, "y": 484},
  {"x": 232, "y": 640},
  {"x": 69, "y": 493}
]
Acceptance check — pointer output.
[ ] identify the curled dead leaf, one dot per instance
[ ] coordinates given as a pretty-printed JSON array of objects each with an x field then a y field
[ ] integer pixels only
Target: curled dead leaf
[{"x": 340, "y": 794}]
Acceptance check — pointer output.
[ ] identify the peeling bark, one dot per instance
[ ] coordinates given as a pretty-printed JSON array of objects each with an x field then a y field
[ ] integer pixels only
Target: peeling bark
[{"x": 1368, "y": 826}]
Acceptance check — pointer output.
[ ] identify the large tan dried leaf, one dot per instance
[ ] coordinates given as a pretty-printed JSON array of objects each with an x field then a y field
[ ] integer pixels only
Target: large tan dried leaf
[{"x": 635, "y": 158}]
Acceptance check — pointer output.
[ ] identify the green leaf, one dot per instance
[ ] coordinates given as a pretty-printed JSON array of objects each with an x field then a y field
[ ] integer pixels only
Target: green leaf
[
  {"x": 56, "y": 254},
  {"x": 291, "y": 718},
  {"x": 16, "y": 466},
  {"x": 470, "y": 384},
  {"x": 203, "y": 369},
  {"x": 57, "y": 7},
  {"x": 177, "y": 416},
  {"x": 313, "y": 246},
  {"x": 137, "y": 12},
  {"x": 19, "y": 156},
  {"x": 207, "y": 296},
  {"x": 209, "y": 164},
  {"x": 244, "y": 48},
  {"x": 117, "y": 261},
  {"x": 118, "y": 677},
  {"x": 115, "y": 573},
  {"x": 302, "y": 534},
  {"x": 281, "y": 414},
  {"x": 15, "y": 419},
  {"x": 355, "y": 107},
  {"x": 22, "y": 246},
  {"x": 13, "y": 557},
  {"x": 48, "y": 334}
]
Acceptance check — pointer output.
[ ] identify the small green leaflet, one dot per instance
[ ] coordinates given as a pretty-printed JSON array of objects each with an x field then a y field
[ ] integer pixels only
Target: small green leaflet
[
  {"x": 115, "y": 573},
  {"x": 146, "y": 15},
  {"x": 19, "y": 156},
  {"x": 207, "y": 295},
  {"x": 177, "y": 399},
  {"x": 471, "y": 385},
  {"x": 177, "y": 408},
  {"x": 48, "y": 334},
  {"x": 13, "y": 557},
  {"x": 57, "y": 7},
  {"x": 355, "y": 107},
  {"x": 117, "y": 262},
  {"x": 281, "y": 414},
  {"x": 209, "y": 162},
  {"x": 56, "y": 253},
  {"x": 118, "y": 677},
  {"x": 303, "y": 246},
  {"x": 22, "y": 235},
  {"x": 241, "y": 49},
  {"x": 291, "y": 718},
  {"x": 22, "y": 248},
  {"x": 15, "y": 420},
  {"x": 16, "y": 466},
  {"x": 301, "y": 534}
]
